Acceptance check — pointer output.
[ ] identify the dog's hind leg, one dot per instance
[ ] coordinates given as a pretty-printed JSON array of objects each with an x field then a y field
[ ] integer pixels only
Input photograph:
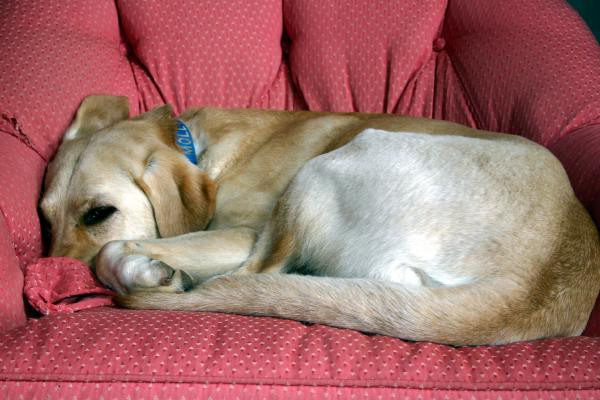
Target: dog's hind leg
[{"x": 276, "y": 246}]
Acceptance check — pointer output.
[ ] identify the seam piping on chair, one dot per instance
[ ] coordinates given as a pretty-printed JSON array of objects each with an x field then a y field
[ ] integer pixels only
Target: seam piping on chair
[
  {"x": 237, "y": 382},
  {"x": 439, "y": 33},
  {"x": 323, "y": 382}
]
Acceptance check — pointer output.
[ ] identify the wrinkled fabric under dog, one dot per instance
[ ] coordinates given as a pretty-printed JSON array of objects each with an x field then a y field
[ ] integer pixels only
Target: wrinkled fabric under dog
[{"x": 63, "y": 285}]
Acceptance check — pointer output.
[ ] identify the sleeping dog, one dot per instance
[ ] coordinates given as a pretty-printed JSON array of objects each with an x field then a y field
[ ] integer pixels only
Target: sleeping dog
[{"x": 408, "y": 227}]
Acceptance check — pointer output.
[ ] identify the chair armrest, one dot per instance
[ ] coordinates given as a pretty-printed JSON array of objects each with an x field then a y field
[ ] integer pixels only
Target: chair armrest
[
  {"x": 528, "y": 67},
  {"x": 20, "y": 237},
  {"x": 12, "y": 311},
  {"x": 533, "y": 68},
  {"x": 579, "y": 152}
]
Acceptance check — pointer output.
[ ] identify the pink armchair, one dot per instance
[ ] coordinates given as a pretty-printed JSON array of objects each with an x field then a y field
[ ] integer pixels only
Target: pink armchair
[{"x": 530, "y": 68}]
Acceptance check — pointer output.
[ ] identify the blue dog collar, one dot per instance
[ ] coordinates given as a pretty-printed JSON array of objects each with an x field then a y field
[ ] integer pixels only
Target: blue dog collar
[{"x": 185, "y": 141}]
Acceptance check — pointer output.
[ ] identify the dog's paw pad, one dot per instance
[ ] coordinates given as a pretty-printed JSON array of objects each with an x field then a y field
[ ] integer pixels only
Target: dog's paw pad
[
  {"x": 179, "y": 282},
  {"x": 119, "y": 266}
]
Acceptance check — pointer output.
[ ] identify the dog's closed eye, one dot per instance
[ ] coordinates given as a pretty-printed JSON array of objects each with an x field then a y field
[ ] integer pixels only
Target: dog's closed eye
[{"x": 97, "y": 215}]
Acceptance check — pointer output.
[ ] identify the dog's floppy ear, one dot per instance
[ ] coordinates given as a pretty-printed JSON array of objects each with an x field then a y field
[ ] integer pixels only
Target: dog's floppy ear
[
  {"x": 97, "y": 112},
  {"x": 182, "y": 196},
  {"x": 162, "y": 117}
]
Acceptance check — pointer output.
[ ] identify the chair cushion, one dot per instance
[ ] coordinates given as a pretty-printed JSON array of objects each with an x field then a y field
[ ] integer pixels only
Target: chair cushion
[{"x": 113, "y": 348}]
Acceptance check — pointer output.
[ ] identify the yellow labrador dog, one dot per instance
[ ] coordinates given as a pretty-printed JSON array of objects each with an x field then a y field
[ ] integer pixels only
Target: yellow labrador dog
[{"x": 409, "y": 227}]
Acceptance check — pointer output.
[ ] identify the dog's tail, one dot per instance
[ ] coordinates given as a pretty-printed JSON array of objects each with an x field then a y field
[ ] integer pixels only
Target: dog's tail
[{"x": 471, "y": 314}]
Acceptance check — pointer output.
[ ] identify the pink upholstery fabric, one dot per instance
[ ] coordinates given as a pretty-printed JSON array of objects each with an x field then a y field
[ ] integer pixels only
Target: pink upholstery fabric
[
  {"x": 12, "y": 312},
  {"x": 58, "y": 284},
  {"x": 197, "y": 353},
  {"x": 219, "y": 53},
  {"x": 54, "y": 54},
  {"x": 580, "y": 154},
  {"x": 358, "y": 57},
  {"x": 54, "y": 390},
  {"x": 20, "y": 239},
  {"x": 21, "y": 176},
  {"x": 530, "y": 68}
]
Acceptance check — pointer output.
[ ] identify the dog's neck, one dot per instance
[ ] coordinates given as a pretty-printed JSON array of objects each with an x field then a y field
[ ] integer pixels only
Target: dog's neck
[
  {"x": 215, "y": 151},
  {"x": 200, "y": 139},
  {"x": 188, "y": 143},
  {"x": 226, "y": 138}
]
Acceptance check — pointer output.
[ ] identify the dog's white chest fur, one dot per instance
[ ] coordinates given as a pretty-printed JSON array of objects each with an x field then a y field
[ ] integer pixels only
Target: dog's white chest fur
[{"x": 406, "y": 207}]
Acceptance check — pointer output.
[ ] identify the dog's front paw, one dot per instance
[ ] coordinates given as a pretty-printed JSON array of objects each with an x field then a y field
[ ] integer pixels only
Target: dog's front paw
[{"x": 123, "y": 266}]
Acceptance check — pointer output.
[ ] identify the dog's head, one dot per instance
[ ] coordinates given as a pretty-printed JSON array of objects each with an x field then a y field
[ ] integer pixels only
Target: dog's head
[{"x": 119, "y": 178}]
